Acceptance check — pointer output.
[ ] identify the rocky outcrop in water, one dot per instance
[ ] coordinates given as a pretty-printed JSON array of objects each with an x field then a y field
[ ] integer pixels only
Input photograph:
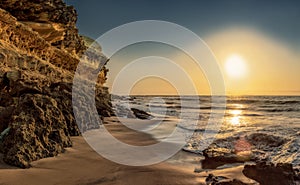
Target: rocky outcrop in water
[
  {"x": 265, "y": 141},
  {"x": 226, "y": 151},
  {"x": 264, "y": 150},
  {"x": 140, "y": 114},
  {"x": 252, "y": 147},
  {"x": 39, "y": 53}
]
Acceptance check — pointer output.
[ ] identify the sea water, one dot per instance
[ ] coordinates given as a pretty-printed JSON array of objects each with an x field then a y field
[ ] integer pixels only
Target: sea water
[{"x": 272, "y": 116}]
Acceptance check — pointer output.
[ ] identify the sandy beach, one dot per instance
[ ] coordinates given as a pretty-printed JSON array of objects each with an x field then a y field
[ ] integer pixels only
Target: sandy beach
[{"x": 82, "y": 165}]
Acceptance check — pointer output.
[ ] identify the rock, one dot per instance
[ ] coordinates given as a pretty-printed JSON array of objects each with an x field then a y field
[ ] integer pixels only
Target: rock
[
  {"x": 39, "y": 53},
  {"x": 91, "y": 43},
  {"x": 297, "y": 174},
  {"x": 4, "y": 133},
  {"x": 141, "y": 114},
  {"x": 265, "y": 141},
  {"x": 253, "y": 147},
  {"x": 51, "y": 18},
  {"x": 268, "y": 173},
  {"x": 215, "y": 157},
  {"x": 211, "y": 179},
  {"x": 198, "y": 170},
  {"x": 219, "y": 180},
  {"x": 38, "y": 130},
  {"x": 51, "y": 32},
  {"x": 93, "y": 55},
  {"x": 289, "y": 153},
  {"x": 231, "y": 182}
]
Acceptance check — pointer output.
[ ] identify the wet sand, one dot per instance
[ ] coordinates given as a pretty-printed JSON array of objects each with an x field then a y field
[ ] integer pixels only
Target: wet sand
[{"x": 82, "y": 165}]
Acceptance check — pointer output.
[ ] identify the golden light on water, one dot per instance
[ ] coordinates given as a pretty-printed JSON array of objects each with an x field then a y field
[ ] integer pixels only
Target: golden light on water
[
  {"x": 236, "y": 112},
  {"x": 235, "y": 119}
]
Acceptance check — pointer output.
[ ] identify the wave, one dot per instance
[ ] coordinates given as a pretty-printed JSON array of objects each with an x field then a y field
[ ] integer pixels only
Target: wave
[
  {"x": 198, "y": 129},
  {"x": 253, "y": 114},
  {"x": 280, "y": 110},
  {"x": 259, "y": 108},
  {"x": 265, "y": 100}
]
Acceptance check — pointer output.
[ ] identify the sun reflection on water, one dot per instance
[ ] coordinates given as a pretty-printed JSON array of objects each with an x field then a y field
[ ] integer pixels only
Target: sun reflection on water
[{"x": 235, "y": 117}]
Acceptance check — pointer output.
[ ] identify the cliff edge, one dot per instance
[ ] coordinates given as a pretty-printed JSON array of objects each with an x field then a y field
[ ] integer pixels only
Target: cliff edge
[{"x": 40, "y": 49}]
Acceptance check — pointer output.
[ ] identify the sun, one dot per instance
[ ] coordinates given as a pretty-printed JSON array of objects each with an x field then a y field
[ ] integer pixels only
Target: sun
[{"x": 235, "y": 66}]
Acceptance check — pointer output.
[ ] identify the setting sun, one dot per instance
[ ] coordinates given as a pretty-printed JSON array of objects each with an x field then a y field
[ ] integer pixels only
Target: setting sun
[{"x": 235, "y": 66}]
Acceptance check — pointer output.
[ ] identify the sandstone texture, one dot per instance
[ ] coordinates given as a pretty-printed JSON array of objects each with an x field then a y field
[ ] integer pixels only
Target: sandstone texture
[
  {"x": 40, "y": 49},
  {"x": 51, "y": 18}
]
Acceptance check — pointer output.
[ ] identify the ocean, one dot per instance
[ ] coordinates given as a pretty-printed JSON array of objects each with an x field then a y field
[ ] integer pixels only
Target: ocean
[{"x": 264, "y": 119}]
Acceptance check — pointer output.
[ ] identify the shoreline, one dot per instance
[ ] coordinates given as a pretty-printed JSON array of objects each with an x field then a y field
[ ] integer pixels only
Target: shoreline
[{"x": 80, "y": 164}]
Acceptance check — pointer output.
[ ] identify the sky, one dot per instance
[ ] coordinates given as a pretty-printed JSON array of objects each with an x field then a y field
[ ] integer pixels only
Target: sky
[{"x": 263, "y": 35}]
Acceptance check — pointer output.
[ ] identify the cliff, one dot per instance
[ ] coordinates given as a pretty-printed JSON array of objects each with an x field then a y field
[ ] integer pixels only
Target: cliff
[
  {"x": 40, "y": 49},
  {"x": 54, "y": 21}
]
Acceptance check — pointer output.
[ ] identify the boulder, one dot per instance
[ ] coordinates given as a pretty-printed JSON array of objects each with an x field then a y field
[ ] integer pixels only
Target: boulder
[
  {"x": 251, "y": 147},
  {"x": 268, "y": 173},
  {"x": 38, "y": 129},
  {"x": 265, "y": 141},
  {"x": 215, "y": 157},
  {"x": 228, "y": 150}
]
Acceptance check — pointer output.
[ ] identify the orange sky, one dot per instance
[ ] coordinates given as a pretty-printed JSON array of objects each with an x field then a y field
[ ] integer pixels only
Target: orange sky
[{"x": 272, "y": 68}]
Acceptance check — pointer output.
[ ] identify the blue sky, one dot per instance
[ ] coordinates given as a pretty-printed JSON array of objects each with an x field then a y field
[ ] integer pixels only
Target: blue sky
[{"x": 278, "y": 18}]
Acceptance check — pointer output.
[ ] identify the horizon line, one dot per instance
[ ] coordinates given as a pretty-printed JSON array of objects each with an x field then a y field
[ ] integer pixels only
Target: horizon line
[{"x": 207, "y": 95}]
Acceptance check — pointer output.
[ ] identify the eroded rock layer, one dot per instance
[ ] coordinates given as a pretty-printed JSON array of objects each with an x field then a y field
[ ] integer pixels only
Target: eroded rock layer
[
  {"x": 39, "y": 53},
  {"x": 51, "y": 18}
]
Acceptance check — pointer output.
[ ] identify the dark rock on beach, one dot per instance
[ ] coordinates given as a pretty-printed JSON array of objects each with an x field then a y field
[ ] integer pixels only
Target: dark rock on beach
[
  {"x": 221, "y": 156},
  {"x": 268, "y": 173},
  {"x": 260, "y": 148},
  {"x": 226, "y": 151},
  {"x": 219, "y": 180},
  {"x": 252, "y": 147},
  {"x": 265, "y": 141},
  {"x": 39, "y": 52}
]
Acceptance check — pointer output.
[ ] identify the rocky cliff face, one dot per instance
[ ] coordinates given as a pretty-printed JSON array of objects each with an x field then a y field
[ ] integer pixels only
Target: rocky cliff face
[
  {"x": 54, "y": 21},
  {"x": 39, "y": 52}
]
